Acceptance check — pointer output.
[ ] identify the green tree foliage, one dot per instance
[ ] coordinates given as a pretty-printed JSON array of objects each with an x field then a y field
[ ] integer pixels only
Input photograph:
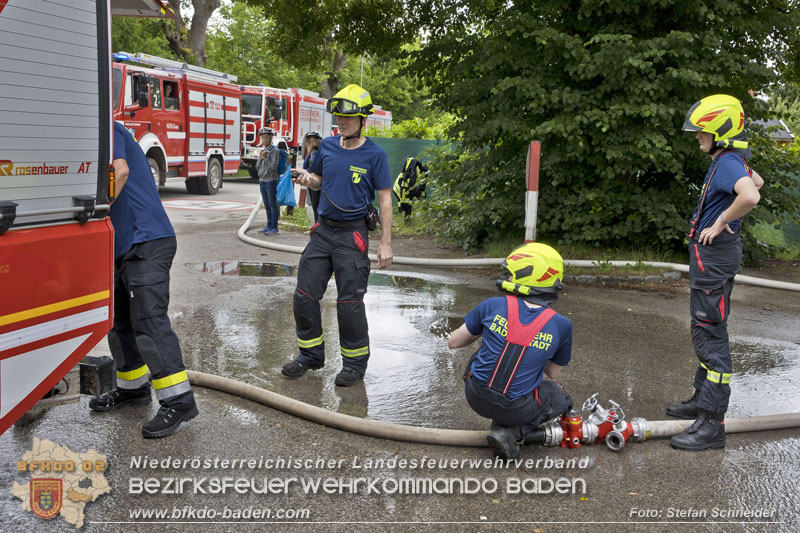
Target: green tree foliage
[
  {"x": 784, "y": 103},
  {"x": 604, "y": 86},
  {"x": 241, "y": 43},
  {"x": 129, "y": 34},
  {"x": 321, "y": 34},
  {"x": 392, "y": 81},
  {"x": 434, "y": 126}
]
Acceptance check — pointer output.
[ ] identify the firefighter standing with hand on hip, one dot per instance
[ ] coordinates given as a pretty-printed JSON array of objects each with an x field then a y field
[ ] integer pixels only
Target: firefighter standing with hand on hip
[
  {"x": 523, "y": 340},
  {"x": 730, "y": 191},
  {"x": 142, "y": 338},
  {"x": 348, "y": 169}
]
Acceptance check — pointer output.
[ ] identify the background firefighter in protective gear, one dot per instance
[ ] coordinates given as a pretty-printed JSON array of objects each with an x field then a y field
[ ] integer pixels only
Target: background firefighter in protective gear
[
  {"x": 349, "y": 169},
  {"x": 523, "y": 340},
  {"x": 730, "y": 191},
  {"x": 410, "y": 184},
  {"x": 142, "y": 338}
]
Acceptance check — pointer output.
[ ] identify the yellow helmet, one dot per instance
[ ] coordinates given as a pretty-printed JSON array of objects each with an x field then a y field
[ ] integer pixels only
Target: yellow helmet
[
  {"x": 721, "y": 115},
  {"x": 351, "y": 101},
  {"x": 533, "y": 268}
]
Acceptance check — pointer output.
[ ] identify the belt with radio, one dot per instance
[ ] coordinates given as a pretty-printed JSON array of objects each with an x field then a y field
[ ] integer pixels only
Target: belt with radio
[{"x": 371, "y": 215}]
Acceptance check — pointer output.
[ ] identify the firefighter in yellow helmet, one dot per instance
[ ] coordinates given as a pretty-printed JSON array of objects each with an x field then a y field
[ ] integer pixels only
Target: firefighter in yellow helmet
[
  {"x": 511, "y": 379},
  {"x": 730, "y": 191},
  {"x": 349, "y": 170}
]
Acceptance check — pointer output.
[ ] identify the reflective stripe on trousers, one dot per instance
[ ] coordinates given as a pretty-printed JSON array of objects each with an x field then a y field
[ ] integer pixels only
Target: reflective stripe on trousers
[
  {"x": 133, "y": 379},
  {"x": 172, "y": 385}
]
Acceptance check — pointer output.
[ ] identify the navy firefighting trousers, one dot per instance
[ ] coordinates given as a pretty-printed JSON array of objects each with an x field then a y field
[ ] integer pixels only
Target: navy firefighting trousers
[
  {"x": 142, "y": 336},
  {"x": 521, "y": 415},
  {"x": 338, "y": 248},
  {"x": 712, "y": 268}
]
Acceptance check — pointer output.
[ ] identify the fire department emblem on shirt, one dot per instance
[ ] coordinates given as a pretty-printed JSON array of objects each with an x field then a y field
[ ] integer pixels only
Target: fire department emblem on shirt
[
  {"x": 46, "y": 496},
  {"x": 358, "y": 173}
]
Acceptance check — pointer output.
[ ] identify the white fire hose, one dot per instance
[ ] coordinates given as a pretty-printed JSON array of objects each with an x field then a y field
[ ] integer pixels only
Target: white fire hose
[
  {"x": 489, "y": 261},
  {"x": 444, "y": 437}
]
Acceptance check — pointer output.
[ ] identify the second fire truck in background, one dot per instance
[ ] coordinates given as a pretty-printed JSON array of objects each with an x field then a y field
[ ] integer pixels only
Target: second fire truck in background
[{"x": 292, "y": 113}]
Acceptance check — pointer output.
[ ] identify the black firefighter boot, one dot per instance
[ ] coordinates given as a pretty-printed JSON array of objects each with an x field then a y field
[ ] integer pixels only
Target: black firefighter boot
[
  {"x": 687, "y": 410},
  {"x": 708, "y": 431},
  {"x": 503, "y": 443}
]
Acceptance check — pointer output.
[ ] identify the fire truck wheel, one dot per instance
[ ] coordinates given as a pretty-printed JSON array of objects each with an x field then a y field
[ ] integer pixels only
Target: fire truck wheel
[
  {"x": 213, "y": 180},
  {"x": 155, "y": 171},
  {"x": 191, "y": 185},
  {"x": 253, "y": 172}
]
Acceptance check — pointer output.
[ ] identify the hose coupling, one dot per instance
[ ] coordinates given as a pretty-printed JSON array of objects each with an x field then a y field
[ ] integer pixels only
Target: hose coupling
[
  {"x": 641, "y": 429},
  {"x": 615, "y": 440},
  {"x": 553, "y": 434}
]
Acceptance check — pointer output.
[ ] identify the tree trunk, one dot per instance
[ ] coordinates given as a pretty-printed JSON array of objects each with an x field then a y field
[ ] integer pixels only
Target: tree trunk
[
  {"x": 330, "y": 86},
  {"x": 190, "y": 43}
]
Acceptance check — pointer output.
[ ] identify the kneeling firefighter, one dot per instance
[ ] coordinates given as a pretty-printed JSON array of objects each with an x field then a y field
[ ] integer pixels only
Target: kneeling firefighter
[
  {"x": 410, "y": 184},
  {"x": 730, "y": 191},
  {"x": 511, "y": 379}
]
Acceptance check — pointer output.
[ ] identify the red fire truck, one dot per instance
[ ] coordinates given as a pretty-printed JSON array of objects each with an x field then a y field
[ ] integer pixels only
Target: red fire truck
[
  {"x": 187, "y": 119},
  {"x": 56, "y": 243},
  {"x": 292, "y": 113},
  {"x": 382, "y": 118}
]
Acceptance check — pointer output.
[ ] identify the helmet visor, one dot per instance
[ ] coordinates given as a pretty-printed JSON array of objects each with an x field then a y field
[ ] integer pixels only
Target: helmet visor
[{"x": 342, "y": 106}]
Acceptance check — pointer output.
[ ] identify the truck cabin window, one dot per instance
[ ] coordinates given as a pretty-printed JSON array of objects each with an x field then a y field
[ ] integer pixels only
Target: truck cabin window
[
  {"x": 171, "y": 96},
  {"x": 136, "y": 93}
]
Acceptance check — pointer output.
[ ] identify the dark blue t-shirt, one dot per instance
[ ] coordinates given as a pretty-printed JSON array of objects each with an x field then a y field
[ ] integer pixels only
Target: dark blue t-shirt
[
  {"x": 349, "y": 177},
  {"x": 137, "y": 213},
  {"x": 309, "y": 160},
  {"x": 730, "y": 168},
  {"x": 554, "y": 343}
]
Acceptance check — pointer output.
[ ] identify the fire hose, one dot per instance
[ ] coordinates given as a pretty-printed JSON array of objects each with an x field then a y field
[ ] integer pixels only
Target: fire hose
[
  {"x": 489, "y": 261},
  {"x": 569, "y": 431}
]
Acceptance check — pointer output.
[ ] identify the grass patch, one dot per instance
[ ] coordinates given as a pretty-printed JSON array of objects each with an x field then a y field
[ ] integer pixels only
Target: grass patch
[
  {"x": 400, "y": 227},
  {"x": 296, "y": 220},
  {"x": 603, "y": 267},
  {"x": 409, "y": 227},
  {"x": 769, "y": 234}
]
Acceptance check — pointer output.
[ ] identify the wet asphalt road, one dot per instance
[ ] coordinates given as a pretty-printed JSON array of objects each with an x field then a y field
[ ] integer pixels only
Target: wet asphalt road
[{"x": 630, "y": 346}]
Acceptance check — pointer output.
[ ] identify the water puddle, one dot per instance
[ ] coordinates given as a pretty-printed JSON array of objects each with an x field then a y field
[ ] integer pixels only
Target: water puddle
[
  {"x": 413, "y": 378},
  {"x": 242, "y": 268},
  {"x": 764, "y": 369}
]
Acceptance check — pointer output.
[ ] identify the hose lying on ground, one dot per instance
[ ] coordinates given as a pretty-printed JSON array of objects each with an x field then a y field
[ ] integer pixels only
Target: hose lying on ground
[
  {"x": 489, "y": 261},
  {"x": 444, "y": 437}
]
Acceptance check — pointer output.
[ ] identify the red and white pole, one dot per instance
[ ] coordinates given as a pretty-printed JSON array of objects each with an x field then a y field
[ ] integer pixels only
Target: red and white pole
[{"x": 532, "y": 196}]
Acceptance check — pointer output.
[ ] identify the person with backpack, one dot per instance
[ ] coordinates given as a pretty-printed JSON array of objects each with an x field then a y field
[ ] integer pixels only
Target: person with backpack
[
  {"x": 730, "y": 191},
  {"x": 511, "y": 378},
  {"x": 268, "y": 168}
]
